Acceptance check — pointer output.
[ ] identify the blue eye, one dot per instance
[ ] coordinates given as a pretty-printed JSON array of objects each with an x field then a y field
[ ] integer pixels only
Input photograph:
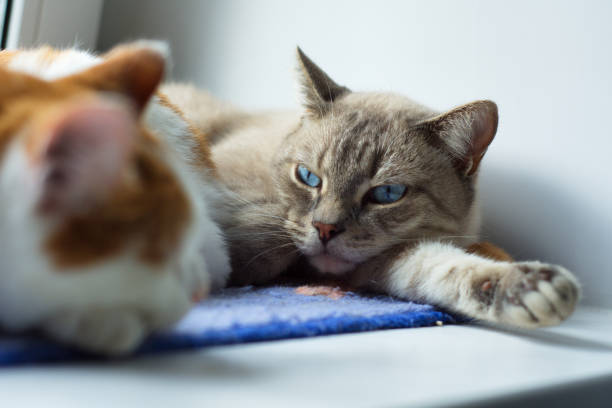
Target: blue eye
[
  {"x": 389, "y": 193},
  {"x": 308, "y": 177}
]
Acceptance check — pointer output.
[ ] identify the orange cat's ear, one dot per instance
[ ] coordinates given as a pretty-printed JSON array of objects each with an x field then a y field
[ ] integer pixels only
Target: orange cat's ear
[
  {"x": 16, "y": 84},
  {"x": 7, "y": 80},
  {"x": 81, "y": 153},
  {"x": 134, "y": 70},
  {"x": 466, "y": 132},
  {"x": 319, "y": 90}
]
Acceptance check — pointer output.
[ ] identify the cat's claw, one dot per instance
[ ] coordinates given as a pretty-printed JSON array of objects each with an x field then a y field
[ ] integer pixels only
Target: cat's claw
[{"x": 534, "y": 294}]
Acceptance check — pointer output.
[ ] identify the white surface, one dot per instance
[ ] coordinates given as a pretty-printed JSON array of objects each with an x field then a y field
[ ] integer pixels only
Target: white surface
[
  {"x": 429, "y": 366},
  {"x": 547, "y": 177},
  {"x": 60, "y": 23}
]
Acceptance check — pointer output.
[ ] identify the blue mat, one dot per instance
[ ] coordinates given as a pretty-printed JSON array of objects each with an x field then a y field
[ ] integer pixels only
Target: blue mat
[{"x": 247, "y": 314}]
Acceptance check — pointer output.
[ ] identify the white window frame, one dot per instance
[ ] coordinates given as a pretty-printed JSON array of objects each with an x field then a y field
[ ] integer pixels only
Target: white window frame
[{"x": 61, "y": 23}]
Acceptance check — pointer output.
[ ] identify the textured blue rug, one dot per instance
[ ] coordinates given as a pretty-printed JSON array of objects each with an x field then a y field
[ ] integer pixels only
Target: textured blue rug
[{"x": 243, "y": 315}]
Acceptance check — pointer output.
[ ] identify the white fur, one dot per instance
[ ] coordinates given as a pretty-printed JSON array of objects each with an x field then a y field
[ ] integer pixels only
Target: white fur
[
  {"x": 67, "y": 63},
  {"x": 160, "y": 47},
  {"x": 109, "y": 306},
  {"x": 205, "y": 236},
  {"x": 457, "y": 135},
  {"x": 72, "y": 61},
  {"x": 445, "y": 275}
]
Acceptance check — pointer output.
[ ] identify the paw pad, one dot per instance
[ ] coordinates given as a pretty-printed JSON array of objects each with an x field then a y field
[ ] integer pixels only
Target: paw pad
[{"x": 535, "y": 294}]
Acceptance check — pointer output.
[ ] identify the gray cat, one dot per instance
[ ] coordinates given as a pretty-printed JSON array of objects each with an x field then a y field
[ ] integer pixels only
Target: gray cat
[{"x": 374, "y": 190}]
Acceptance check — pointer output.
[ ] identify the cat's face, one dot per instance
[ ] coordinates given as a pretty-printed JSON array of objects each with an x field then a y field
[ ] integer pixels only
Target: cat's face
[
  {"x": 365, "y": 172},
  {"x": 80, "y": 175}
]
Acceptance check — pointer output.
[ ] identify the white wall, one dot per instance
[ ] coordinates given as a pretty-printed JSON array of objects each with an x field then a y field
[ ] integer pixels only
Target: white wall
[{"x": 546, "y": 180}]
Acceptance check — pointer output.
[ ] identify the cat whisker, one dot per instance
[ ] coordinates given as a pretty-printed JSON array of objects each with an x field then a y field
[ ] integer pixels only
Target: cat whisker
[
  {"x": 258, "y": 234},
  {"x": 295, "y": 251},
  {"x": 401, "y": 240},
  {"x": 458, "y": 236},
  {"x": 275, "y": 217},
  {"x": 266, "y": 252},
  {"x": 263, "y": 214}
]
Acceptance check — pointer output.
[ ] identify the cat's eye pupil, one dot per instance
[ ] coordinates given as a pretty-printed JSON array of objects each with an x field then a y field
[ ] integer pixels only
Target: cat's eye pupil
[
  {"x": 307, "y": 177},
  {"x": 386, "y": 194}
]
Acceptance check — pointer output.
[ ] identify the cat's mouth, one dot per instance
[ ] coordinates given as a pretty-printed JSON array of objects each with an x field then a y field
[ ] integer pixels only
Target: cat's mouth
[{"x": 328, "y": 263}]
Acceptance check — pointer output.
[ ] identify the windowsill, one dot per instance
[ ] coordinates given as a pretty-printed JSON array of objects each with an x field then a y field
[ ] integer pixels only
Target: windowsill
[{"x": 429, "y": 366}]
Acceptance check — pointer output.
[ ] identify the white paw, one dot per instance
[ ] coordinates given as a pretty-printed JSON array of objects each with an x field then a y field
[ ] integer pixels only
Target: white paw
[
  {"x": 194, "y": 276},
  {"x": 106, "y": 331},
  {"x": 534, "y": 294}
]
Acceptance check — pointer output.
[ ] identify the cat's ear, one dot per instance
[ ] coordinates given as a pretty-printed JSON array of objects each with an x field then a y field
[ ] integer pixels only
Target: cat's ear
[
  {"x": 81, "y": 156},
  {"x": 466, "y": 132},
  {"x": 134, "y": 70},
  {"x": 319, "y": 90},
  {"x": 15, "y": 84}
]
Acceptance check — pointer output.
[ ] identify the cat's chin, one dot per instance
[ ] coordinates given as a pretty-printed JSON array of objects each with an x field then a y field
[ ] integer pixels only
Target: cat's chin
[{"x": 326, "y": 263}]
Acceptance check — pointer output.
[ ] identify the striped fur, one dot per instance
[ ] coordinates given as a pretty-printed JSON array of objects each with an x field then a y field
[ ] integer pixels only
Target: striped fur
[{"x": 421, "y": 247}]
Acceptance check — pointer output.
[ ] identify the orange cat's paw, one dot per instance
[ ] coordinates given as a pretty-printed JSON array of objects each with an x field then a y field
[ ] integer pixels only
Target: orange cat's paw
[
  {"x": 107, "y": 331},
  {"x": 534, "y": 294}
]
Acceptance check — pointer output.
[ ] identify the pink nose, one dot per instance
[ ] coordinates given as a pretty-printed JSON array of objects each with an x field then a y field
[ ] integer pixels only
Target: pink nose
[{"x": 326, "y": 231}]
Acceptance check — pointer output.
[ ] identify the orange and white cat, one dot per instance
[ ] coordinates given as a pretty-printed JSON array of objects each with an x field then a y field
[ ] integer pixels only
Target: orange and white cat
[{"x": 107, "y": 198}]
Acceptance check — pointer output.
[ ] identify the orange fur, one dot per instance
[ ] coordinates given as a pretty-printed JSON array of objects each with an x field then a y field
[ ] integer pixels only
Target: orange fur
[
  {"x": 148, "y": 209},
  {"x": 6, "y": 57},
  {"x": 46, "y": 54},
  {"x": 125, "y": 70},
  {"x": 202, "y": 153},
  {"x": 488, "y": 250},
  {"x": 152, "y": 212}
]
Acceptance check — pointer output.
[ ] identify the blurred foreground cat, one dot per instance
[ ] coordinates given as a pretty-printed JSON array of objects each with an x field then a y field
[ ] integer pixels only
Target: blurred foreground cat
[
  {"x": 106, "y": 198},
  {"x": 374, "y": 190}
]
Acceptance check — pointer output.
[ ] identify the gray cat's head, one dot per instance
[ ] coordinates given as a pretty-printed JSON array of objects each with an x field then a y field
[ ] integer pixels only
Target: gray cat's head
[{"x": 368, "y": 171}]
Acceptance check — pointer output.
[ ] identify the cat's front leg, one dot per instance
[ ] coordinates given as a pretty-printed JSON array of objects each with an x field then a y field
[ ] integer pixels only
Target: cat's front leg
[
  {"x": 107, "y": 331},
  {"x": 524, "y": 294},
  {"x": 116, "y": 324},
  {"x": 115, "y": 330}
]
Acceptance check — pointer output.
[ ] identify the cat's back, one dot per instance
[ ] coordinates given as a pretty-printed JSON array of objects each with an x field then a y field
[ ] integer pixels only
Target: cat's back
[
  {"x": 244, "y": 157},
  {"x": 210, "y": 115},
  {"x": 243, "y": 144}
]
